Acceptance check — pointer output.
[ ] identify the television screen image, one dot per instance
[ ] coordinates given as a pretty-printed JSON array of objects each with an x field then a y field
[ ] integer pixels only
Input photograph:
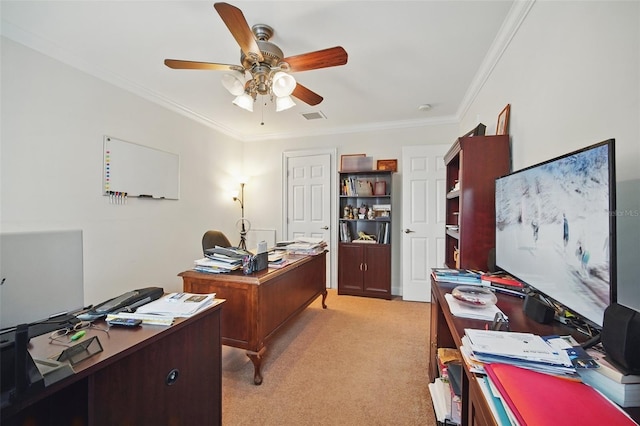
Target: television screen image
[{"x": 555, "y": 229}]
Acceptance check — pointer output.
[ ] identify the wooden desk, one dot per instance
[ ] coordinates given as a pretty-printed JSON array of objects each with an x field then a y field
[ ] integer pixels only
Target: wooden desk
[
  {"x": 259, "y": 304},
  {"x": 447, "y": 331},
  {"x": 129, "y": 382}
]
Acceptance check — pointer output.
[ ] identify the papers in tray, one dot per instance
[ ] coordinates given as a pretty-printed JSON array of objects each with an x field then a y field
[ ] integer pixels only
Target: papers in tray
[
  {"x": 463, "y": 310},
  {"x": 178, "y": 304}
]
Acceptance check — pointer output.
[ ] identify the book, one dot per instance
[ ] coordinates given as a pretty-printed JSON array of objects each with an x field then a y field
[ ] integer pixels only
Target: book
[
  {"x": 540, "y": 399},
  {"x": 441, "y": 398},
  {"x": 623, "y": 394},
  {"x": 610, "y": 370},
  {"x": 452, "y": 275},
  {"x": 502, "y": 280}
]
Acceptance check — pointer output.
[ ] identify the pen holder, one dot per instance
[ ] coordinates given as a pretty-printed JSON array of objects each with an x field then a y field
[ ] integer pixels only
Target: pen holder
[{"x": 248, "y": 264}]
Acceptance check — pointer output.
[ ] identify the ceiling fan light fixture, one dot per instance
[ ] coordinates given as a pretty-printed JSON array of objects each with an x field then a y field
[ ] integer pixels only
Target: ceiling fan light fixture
[
  {"x": 283, "y": 84},
  {"x": 244, "y": 101},
  {"x": 234, "y": 82},
  {"x": 284, "y": 103}
]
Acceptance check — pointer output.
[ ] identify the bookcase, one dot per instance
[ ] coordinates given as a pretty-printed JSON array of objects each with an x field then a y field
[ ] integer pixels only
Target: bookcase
[
  {"x": 364, "y": 235},
  {"x": 472, "y": 165}
]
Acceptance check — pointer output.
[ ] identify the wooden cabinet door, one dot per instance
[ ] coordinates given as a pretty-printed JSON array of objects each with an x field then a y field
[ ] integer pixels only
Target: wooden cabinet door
[
  {"x": 377, "y": 270},
  {"x": 350, "y": 278}
]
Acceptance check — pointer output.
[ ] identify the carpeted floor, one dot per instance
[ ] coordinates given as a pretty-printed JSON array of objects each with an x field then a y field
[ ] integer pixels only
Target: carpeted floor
[{"x": 360, "y": 361}]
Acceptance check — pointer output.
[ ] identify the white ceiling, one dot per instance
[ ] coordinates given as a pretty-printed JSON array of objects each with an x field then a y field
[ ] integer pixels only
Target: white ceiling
[{"x": 401, "y": 54}]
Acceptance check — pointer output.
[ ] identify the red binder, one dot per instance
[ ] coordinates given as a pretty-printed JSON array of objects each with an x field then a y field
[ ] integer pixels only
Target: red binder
[{"x": 541, "y": 399}]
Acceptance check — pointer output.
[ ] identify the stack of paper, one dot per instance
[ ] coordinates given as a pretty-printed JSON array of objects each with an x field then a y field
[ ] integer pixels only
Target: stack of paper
[
  {"x": 178, "y": 304},
  {"x": 217, "y": 265},
  {"x": 306, "y": 245},
  {"x": 521, "y": 349},
  {"x": 279, "y": 262}
]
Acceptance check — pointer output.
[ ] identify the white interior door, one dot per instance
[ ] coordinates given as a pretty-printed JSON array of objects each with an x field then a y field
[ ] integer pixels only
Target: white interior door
[
  {"x": 308, "y": 193},
  {"x": 423, "y": 218}
]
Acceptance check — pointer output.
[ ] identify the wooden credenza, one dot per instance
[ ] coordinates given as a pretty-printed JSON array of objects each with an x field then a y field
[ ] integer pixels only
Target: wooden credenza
[
  {"x": 447, "y": 332},
  {"x": 259, "y": 304},
  {"x": 148, "y": 375}
]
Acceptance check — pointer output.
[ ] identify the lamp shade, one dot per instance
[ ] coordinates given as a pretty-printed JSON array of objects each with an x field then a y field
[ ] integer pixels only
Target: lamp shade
[
  {"x": 283, "y": 103},
  {"x": 283, "y": 84},
  {"x": 234, "y": 82},
  {"x": 244, "y": 101}
]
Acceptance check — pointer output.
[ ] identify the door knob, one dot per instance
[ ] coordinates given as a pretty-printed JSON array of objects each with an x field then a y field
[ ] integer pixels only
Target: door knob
[
  {"x": 407, "y": 231},
  {"x": 325, "y": 228}
]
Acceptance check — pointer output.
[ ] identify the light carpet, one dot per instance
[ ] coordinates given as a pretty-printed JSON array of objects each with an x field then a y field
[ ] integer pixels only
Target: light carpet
[{"x": 360, "y": 361}]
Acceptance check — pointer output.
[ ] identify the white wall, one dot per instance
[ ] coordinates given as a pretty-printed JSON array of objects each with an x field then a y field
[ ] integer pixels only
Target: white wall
[
  {"x": 571, "y": 74},
  {"x": 572, "y": 77},
  {"x": 264, "y": 160},
  {"x": 53, "y": 121}
]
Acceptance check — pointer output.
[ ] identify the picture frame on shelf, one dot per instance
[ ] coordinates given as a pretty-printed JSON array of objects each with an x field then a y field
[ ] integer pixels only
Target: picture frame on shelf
[
  {"x": 389, "y": 165},
  {"x": 351, "y": 162},
  {"x": 380, "y": 188},
  {"x": 502, "y": 127}
]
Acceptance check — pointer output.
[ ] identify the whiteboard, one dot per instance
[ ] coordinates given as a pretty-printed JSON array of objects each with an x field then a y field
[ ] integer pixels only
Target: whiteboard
[{"x": 140, "y": 171}]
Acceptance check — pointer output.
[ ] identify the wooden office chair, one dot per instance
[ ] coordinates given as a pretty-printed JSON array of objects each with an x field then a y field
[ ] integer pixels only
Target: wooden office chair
[{"x": 214, "y": 238}]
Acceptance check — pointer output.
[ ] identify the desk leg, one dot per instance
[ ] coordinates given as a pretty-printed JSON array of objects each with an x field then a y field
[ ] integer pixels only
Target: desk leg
[
  {"x": 256, "y": 359},
  {"x": 324, "y": 298}
]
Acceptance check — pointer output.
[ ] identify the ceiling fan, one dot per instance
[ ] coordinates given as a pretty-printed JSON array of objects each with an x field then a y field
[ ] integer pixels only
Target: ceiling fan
[{"x": 269, "y": 70}]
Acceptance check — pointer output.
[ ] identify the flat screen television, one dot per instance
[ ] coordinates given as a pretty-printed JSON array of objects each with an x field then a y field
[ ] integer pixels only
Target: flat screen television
[{"x": 556, "y": 229}]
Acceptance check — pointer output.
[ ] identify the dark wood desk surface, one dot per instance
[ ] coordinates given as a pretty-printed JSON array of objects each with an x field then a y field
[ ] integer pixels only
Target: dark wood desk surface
[
  {"x": 448, "y": 330},
  {"x": 511, "y": 306},
  {"x": 126, "y": 383},
  {"x": 259, "y": 304}
]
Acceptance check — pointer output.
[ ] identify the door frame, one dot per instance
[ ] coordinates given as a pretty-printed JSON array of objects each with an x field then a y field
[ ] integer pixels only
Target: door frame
[{"x": 333, "y": 224}]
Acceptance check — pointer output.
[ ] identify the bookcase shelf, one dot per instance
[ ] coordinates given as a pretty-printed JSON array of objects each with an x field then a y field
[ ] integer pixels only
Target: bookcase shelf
[
  {"x": 364, "y": 268},
  {"x": 472, "y": 165}
]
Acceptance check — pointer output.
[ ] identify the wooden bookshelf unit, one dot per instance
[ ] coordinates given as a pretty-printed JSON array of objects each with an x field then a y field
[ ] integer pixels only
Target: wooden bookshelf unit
[
  {"x": 364, "y": 267},
  {"x": 473, "y": 163}
]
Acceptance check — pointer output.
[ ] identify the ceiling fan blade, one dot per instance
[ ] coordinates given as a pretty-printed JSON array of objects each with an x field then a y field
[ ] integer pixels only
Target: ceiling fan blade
[
  {"x": 193, "y": 65},
  {"x": 306, "y": 95},
  {"x": 331, "y": 57},
  {"x": 234, "y": 20}
]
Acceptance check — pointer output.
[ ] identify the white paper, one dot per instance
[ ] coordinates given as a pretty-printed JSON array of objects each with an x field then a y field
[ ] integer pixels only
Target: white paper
[
  {"x": 463, "y": 310},
  {"x": 178, "y": 304}
]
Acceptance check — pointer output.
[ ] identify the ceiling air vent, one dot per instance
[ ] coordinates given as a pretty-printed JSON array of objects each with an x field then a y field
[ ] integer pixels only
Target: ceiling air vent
[{"x": 314, "y": 116}]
